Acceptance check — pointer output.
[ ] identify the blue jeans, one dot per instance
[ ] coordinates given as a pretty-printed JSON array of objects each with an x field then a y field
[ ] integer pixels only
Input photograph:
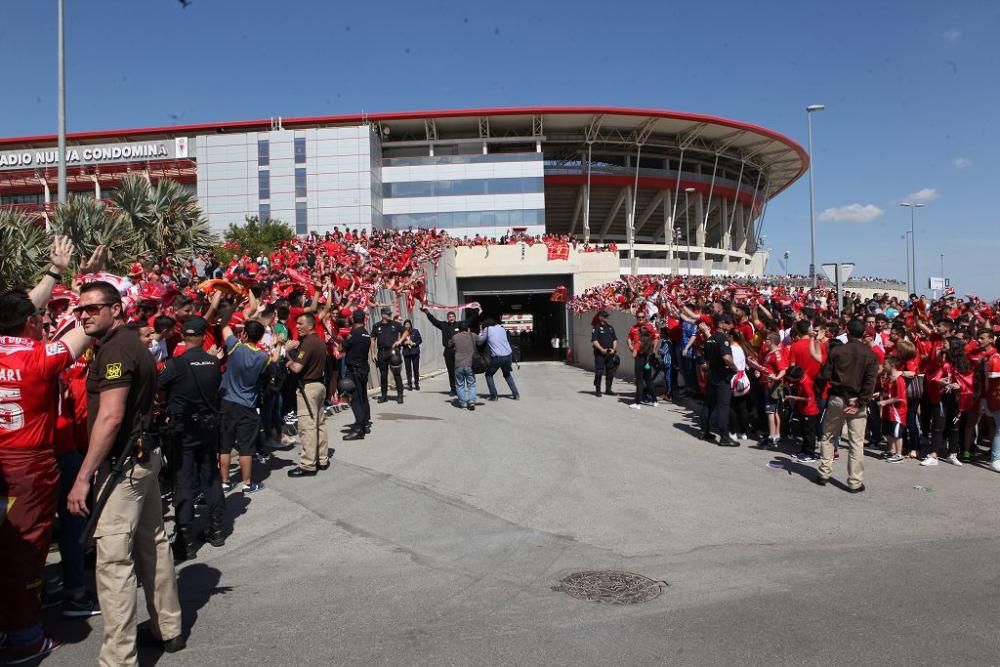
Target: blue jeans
[
  {"x": 71, "y": 527},
  {"x": 502, "y": 364},
  {"x": 465, "y": 385},
  {"x": 996, "y": 437}
]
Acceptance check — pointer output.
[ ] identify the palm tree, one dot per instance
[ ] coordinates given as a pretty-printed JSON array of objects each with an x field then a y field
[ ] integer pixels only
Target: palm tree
[
  {"x": 89, "y": 223},
  {"x": 24, "y": 249},
  {"x": 165, "y": 215}
]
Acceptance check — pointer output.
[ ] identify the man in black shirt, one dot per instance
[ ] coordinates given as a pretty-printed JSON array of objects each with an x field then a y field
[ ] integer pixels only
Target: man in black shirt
[
  {"x": 719, "y": 357},
  {"x": 190, "y": 384},
  {"x": 448, "y": 330},
  {"x": 356, "y": 350},
  {"x": 605, "y": 343},
  {"x": 387, "y": 336}
]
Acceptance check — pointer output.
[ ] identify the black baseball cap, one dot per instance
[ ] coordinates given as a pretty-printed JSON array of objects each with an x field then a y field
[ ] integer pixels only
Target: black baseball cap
[
  {"x": 358, "y": 316},
  {"x": 386, "y": 311},
  {"x": 195, "y": 326}
]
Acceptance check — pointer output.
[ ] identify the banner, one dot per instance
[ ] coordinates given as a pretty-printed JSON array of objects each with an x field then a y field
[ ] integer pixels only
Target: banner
[{"x": 558, "y": 250}]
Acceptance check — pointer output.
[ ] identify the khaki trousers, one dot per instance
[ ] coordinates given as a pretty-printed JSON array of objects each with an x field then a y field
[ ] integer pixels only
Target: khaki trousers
[
  {"x": 833, "y": 424},
  {"x": 312, "y": 426},
  {"x": 131, "y": 541}
]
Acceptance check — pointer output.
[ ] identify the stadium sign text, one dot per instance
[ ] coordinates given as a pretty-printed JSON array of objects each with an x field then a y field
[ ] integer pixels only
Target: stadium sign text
[{"x": 98, "y": 154}]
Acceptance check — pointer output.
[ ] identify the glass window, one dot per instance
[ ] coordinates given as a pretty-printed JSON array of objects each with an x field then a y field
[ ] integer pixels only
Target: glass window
[
  {"x": 461, "y": 159},
  {"x": 472, "y": 186},
  {"x": 263, "y": 152},
  {"x": 300, "y": 181},
  {"x": 264, "y": 184},
  {"x": 264, "y": 213},
  {"x": 300, "y": 217},
  {"x": 459, "y": 219},
  {"x": 300, "y": 150}
]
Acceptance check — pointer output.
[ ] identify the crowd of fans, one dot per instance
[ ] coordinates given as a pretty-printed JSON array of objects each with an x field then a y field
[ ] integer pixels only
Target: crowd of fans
[{"x": 924, "y": 374}]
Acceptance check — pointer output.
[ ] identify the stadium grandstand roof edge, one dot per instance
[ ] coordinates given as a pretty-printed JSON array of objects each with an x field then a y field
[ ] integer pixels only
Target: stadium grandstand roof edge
[{"x": 781, "y": 157}]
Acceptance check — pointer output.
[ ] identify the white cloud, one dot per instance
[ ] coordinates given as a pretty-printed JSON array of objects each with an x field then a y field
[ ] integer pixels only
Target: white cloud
[
  {"x": 953, "y": 34},
  {"x": 853, "y": 213},
  {"x": 961, "y": 163},
  {"x": 922, "y": 196}
]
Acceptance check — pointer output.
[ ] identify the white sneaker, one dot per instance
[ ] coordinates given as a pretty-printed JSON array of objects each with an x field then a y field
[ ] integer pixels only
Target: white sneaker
[
  {"x": 635, "y": 406},
  {"x": 929, "y": 461},
  {"x": 996, "y": 466},
  {"x": 953, "y": 459},
  {"x": 734, "y": 436},
  {"x": 743, "y": 436}
]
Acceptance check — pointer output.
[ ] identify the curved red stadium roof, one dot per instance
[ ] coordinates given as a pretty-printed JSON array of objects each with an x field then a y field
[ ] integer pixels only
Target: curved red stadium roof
[{"x": 778, "y": 144}]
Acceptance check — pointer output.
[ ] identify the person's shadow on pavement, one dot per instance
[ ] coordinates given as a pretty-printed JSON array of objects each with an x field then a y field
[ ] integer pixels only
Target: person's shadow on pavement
[{"x": 197, "y": 583}]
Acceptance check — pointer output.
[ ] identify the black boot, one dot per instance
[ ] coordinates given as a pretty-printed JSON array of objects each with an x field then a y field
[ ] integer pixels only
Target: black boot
[
  {"x": 417, "y": 386},
  {"x": 214, "y": 534},
  {"x": 184, "y": 547},
  {"x": 409, "y": 386}
]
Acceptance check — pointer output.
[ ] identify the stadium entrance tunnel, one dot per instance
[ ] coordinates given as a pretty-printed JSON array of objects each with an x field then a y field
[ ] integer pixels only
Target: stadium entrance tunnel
[{"x": 523, "y": 305}]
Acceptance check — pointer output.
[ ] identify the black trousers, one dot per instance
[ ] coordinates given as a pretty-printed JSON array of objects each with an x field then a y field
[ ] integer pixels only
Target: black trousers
[
  {"x": 603, "y": 369},
  {"x": 382, "y": 361},
  {"x": 643, "y": 375},
  {"x": 945, "y": 425},
  {"x": 198, "y": 471},
  {"x": 412, "y": 365},
  {"x": 449, "y": 362},
  {"x": 806, "y": 427},
  {"x": 740, "y": 413},
  {"x": 359, "y": 399},
  {"x": 717, "y": 399}
]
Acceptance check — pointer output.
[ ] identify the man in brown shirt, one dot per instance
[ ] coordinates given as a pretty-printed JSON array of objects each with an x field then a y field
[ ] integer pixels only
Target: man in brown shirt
[
  {"x": 851, "y": 371},
  {"x": 308, "y": 359}
]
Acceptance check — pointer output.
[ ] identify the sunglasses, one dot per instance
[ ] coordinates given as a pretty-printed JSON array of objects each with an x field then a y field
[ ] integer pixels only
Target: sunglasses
[{"x": 92, "y": 309}]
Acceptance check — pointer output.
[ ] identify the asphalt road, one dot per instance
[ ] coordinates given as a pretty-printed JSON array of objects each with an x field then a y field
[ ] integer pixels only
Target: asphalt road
[{"x": 437, "y": 541}]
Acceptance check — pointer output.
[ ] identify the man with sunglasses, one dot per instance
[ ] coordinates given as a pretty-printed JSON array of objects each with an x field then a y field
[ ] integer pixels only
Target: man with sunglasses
[
  {"x": 129, "y": 535},
  {"x": 29, "y": 474}
]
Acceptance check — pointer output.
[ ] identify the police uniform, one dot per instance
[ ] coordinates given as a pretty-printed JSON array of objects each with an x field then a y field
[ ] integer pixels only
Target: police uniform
[
  {"x": 191, "y": 383},
  {"x": 386, "y": 334},
  {"x": 130, "y": 539},
  {"x": 356, "y": 349},
  {"x": 604, "y": 335}
]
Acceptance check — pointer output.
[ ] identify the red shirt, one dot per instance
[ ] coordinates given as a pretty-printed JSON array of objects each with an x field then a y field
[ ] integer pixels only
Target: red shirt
[
  {"x": 879, "y": 353},
  {"x": 804, "y": 388},
  {"x": 746, "y": 330},
  {"x": 633, "y": 334},
  {"x": 992, "y": 389},
  {"x": 29, "y": 391},
  {"x": 894, "y": 388},
  {"x": 799, "y": 355},
  {"x": 71, "y": 426},
  {"x": 775, "y": 361}
]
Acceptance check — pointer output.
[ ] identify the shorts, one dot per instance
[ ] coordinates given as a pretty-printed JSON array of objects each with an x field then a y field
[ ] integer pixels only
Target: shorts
[
  {"x": 771, "y": 408},
  {"x": 892, "y": 429},
  {"x": 240, "y": 429}
]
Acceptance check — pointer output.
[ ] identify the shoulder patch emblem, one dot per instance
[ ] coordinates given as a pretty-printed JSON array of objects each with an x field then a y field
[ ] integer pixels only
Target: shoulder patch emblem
[
  {"x": 54, "y": 349},
  {"x": 113, "y": 371}
]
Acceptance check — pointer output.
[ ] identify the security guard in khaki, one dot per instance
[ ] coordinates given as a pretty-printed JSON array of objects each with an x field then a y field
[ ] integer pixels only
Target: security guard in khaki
[{"x": 130, "y": 538}]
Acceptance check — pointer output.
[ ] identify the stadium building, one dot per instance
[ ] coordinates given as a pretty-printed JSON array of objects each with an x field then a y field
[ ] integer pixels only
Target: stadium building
[{"x": 676, "y": 192}]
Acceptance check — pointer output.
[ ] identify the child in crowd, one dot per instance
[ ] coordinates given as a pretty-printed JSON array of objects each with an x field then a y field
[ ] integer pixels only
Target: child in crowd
[{"x": 893, "y": 404}]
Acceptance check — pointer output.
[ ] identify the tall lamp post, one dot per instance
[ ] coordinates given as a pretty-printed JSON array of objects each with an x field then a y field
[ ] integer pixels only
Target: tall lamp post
[
  {"x": 906, "y": 248},
  {"x": 913, "y": 240},
  {"x": 61, "y": 195},
  {"x": 687, "y": 223},
  {"x": 812, "y": 205}
]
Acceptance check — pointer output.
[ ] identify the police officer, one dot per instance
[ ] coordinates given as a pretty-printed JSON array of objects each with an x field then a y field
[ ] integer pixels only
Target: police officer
[
  {"x": 387, "y": 336},
  {"x": 131, "y": 542},
  {"x": 356, "y": 350},
  {"x": 721, "y": 368},
  {"x": 191, "y": 386},
  {"x": 605, "y": 343}
]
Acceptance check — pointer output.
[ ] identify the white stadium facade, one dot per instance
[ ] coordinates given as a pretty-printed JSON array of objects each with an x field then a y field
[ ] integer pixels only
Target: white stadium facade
[{"x": 677, "y": 192}]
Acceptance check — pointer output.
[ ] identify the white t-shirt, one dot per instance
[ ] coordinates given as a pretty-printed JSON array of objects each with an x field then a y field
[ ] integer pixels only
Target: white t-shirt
[{"x": 739, "y": 357}]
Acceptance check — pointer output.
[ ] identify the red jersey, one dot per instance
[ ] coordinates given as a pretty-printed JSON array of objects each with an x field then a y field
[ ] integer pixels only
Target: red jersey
[
  {"x": 633, "y": 334},
  {"x": 805, "y": 389},
  {"x": 29, "y": 391},
  {"x": 992, "y": 390},
  {"x": 71, "y": 426},
  {"x": 894, "y": 388},
  {"x": 799, "y": 355},
  {"x": 775, "y": 361},
  {"x": 879, "y": 354},
  {"x": 746, "y": 330},
  {"x": 966, "y": 388}
]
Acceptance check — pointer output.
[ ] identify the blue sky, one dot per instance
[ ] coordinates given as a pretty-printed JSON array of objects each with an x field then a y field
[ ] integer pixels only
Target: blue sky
[{"x": 910, "y": 88}]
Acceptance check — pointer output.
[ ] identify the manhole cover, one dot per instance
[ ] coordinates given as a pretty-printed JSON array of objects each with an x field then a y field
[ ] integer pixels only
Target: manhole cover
[{"x": 610, "y": 587}]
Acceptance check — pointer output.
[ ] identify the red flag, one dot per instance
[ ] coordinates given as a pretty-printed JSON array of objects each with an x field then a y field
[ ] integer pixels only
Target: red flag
[
  {"x": 558, "y": 250},
  {"x": 558, "y": 295}
]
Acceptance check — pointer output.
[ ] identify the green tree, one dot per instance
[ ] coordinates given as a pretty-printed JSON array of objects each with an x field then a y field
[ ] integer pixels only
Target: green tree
[
  {"x": 253, "y": 238},
  {"x": 88, "y": 223},
  {"x": 165, "y": 216},
  {"x": 24, "y": 249}
]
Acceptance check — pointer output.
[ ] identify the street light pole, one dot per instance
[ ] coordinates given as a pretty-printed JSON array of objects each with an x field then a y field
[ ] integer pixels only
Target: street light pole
[
  {"x": 913, "y": 239},
  {"x": 812, "y": 205},
  {"x": 61, "y": 103},
  {"x": 906, "y": 247},
  {"x": 687, "y": 223}
]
